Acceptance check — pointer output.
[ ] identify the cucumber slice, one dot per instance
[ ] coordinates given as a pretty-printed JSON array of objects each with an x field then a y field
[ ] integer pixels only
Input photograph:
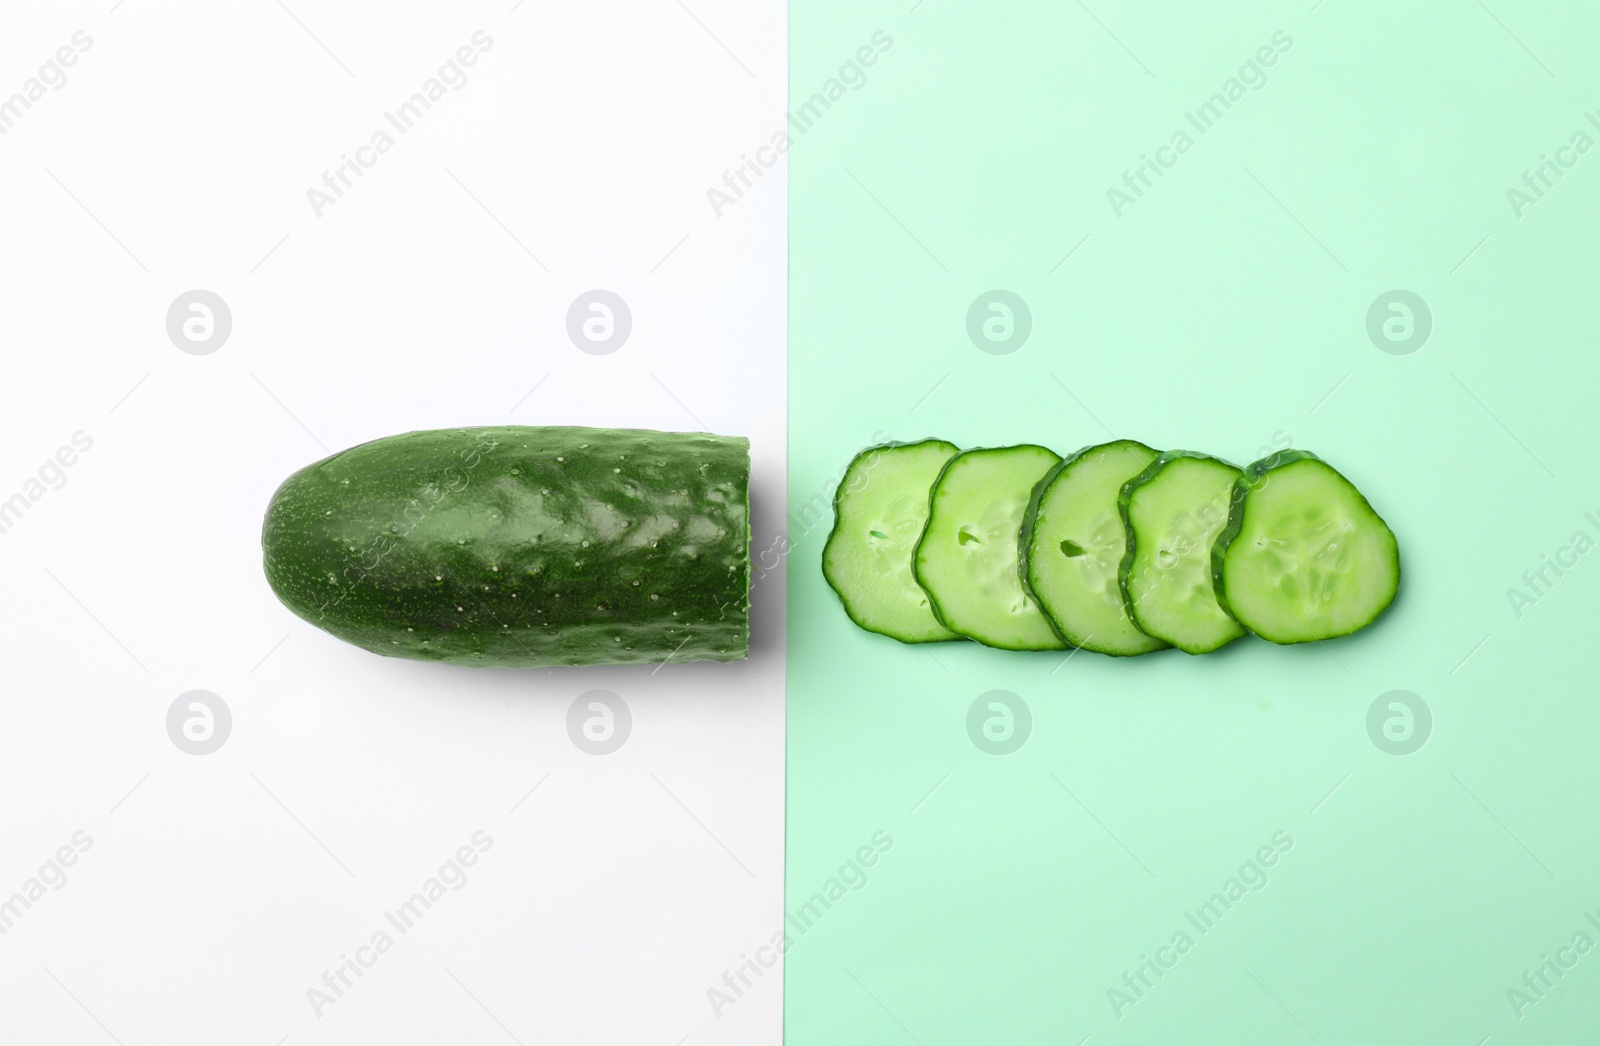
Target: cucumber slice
[
  {"x": 879, "y": 512},
  {"x": 1303, "y": 556},
  {"x": 1172, "y": 512},
  {"x": 1073, "y": 542},
  {"x": 968, "y": 559}
]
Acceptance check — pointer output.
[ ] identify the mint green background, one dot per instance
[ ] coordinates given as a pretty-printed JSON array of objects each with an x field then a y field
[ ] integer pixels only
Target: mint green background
[{"x": 1208, "y": 317}]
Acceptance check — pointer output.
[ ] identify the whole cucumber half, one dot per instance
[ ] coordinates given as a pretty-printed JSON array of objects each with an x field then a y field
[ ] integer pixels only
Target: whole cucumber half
[{"x": 522, "y": 546}]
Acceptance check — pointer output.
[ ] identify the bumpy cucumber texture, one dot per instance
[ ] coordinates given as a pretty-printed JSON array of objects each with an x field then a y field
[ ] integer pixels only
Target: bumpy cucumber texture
[
  {"x": 967, "y": 559},
  {"x": 1172, "y": 512},
  {"x": 880, "y": 510},
  {"x": 1073, "y": 541},
  {"x": 522, "y": 546},
  {"x": 1303, "y": 556}
]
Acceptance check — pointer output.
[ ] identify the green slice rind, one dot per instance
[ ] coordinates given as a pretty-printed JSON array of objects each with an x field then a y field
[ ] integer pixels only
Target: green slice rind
[
  {"x": 1172, "y": 512},
  {"x": 967, "y": 559},
  {"x": 879, "y": 512},
  {"x": 1304, "y": 556},
  {"x": 1072, "y": 544}
]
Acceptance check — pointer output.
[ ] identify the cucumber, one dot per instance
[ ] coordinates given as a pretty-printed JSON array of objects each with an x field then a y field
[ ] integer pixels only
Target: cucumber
[
  {"x": 522, "y": 546},
  {"x": 1303, "y": 556},
  {"x": 1073, "y": 541},
  {"x": 967, "y": 559},
  {"x": 1172, "y": 512},
  {"x": 879, "y": 512}
]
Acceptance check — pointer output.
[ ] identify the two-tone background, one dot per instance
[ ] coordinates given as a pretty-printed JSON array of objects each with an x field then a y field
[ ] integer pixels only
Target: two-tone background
[{"x": 1362, "y": 230}]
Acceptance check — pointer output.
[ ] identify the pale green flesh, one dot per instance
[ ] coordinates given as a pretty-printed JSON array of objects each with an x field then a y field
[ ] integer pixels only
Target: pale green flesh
[
  {"x": 1311, "y": 559},
  {"x": 968, "y": 559},
  {"x": 1077, "y": 545},
  {"x": 882, "y": 509},
  {"x": 1175, "y": 516}
]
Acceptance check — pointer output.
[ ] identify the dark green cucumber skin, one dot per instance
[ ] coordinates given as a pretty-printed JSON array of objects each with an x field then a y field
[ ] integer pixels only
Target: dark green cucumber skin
[
  {"x": 839, "y": 491},
  {"x": 518, "y": 546},
  {"x": 1025, "y": 539},
  {"x": 1123, "y": 499},
  {"x": 1255, "y": 474}
]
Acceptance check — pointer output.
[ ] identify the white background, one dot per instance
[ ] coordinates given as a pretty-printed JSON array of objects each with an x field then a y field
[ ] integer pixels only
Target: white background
[{"x": 219, "y": 888}]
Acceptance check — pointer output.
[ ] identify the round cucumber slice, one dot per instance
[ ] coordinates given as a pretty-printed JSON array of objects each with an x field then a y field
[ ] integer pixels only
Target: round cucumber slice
[
  {"x": 1073, "y": 541},
  {"x": 879, "y": 512},
  {"x": 1172, "y": 512},
  {"x": 1304, "y": 556},
  {"x": 968, "y": 560}
]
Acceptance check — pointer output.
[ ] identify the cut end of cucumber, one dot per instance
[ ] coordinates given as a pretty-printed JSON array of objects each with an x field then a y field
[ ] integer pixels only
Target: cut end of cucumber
[{"x": 1304, "y": 556}]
